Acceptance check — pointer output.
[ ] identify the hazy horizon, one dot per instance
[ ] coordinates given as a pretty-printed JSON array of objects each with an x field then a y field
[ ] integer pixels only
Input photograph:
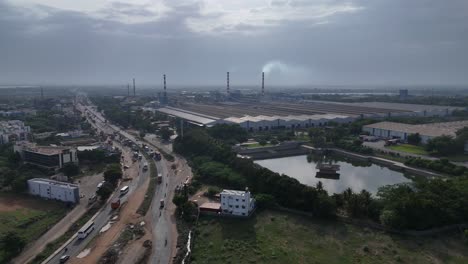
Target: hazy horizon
[{"x": 195, "y": 42}]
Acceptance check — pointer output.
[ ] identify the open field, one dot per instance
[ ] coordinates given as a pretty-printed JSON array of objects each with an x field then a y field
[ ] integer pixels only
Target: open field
[
  {"x": 274, "y": 237},
  {"x": 419, "y": 150},
  {"x": 28, "y": 216}
]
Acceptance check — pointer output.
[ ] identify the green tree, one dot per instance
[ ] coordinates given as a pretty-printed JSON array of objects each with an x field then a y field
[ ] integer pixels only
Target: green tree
[
  {"x": 105, "y": 191},
  {"x": 263, "y": 200},
  {"x": 71, "y": 169},
  {"x": 414, "y": 139},
  {"x": 12, "y": 243},
  {"x": 166, "y": 133},
  {"x": 113, "y": 174}
]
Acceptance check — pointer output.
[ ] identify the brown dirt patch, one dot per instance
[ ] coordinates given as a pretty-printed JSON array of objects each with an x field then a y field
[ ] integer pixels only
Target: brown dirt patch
[{"x": 13, "y": 202}]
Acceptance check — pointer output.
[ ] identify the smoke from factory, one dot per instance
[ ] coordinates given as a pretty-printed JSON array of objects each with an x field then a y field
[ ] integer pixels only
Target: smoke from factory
[{"x": 281, "y": 72}]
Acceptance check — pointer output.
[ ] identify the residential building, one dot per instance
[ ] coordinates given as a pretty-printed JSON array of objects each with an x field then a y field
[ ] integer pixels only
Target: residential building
[
  {"x": 238, "y": 203},
  {"x": 402, "y": 131},
  {"x": 54, "y": 190},
  {"x": 13, "y": 130},
  {"x": 52, "y": 157}
]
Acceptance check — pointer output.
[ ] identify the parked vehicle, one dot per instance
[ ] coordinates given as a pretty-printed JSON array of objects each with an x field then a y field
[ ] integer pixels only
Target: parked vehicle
[
  {"x": 124, "y": 190},
  {"x": 115, "y": 204},
  {"x": 140, "y": 157},
  {"x": 145, "y": 166},
  {"x": 161, "y": 203}
]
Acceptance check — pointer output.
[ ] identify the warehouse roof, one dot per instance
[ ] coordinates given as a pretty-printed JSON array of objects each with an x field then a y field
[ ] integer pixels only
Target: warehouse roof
[
  {"x": 52, "y": 182},
  {"x": 189, "y": 116},
  {"x": 432, "y": 129}
]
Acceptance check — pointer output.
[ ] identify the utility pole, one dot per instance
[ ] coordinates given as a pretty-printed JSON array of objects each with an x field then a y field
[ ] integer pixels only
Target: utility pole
[
  {"x": 128, "y": 89},
  {"x": 134, "y": 91}
]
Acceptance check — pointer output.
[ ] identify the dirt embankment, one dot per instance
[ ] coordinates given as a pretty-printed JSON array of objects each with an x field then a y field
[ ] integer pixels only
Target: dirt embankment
[{"x": 127, "y": 215}]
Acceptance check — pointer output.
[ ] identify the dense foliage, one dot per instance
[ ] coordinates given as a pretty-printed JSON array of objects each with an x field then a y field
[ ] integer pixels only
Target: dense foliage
[
  {"x": 228, "y": 132},
  {"x": 214, "y": 162},
  {"x": 422, "y": 205},
  {"x": 354, "y": 147},
  {"x": 425, "y": 204},
  {"x": 439, "y": 165}
]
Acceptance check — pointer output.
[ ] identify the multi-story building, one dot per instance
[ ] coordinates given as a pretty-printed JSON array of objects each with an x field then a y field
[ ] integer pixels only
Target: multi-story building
[
  {"x": 13, "y": 130},
  {"x": 46, "y": 156},
  {"x": 237, "y": 203},
  {"x": 54, "y": 190}
]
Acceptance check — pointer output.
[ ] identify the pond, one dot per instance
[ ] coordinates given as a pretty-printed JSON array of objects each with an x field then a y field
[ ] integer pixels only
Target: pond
[{"x": 355, "y": 175}]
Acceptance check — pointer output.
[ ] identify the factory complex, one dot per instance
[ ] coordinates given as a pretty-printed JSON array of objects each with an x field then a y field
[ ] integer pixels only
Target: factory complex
[{"x": 258, "y": 116}]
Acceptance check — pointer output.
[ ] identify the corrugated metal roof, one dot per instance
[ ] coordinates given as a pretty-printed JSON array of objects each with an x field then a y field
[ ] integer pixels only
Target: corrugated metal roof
[
  {"x": 432, "y": 130},
  {"x": 187, "y": 116}
]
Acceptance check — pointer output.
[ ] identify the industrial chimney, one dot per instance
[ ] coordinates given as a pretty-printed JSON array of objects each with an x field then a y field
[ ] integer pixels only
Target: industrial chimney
[
  {"x": 128, "y": 89},
  {"x": 165, "y": 89},
  {"x": 134, "y": 91},
  {"x": 227, "y": 88},
  {"x": 263, "y": 83}
]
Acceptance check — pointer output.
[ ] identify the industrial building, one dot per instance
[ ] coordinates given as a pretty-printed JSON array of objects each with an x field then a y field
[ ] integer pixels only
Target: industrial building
[
  {"x": 46, "y": 156},
  {"x": 237, "y": 203},
  {"x": 401, "y": 131},
  {"x": 54, "y": 190},
  {"x": 260, "y": 116},
  {"x": 13, "y": 130}
]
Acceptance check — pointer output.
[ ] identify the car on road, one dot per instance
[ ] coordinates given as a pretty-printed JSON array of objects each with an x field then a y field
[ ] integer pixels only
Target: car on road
[
  {"x": 64, "y": 258},
  {"x": 126, "y": 167}
]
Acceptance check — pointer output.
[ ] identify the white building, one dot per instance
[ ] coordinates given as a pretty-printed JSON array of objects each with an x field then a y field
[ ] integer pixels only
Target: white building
[
  {"x": 54, "y": 190},
  {"x": 402, "y": 131},
  {"x": 46, "y": 156},
  {"x": 237, "y": 203},
  {"x": 13, "y": 130}
]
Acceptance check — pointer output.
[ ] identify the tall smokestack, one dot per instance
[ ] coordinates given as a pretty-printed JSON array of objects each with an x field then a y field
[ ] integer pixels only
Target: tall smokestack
[
  {"x": 42, "y": 93},
  {"x": 134, "y": 91},
  {"x": 227, "y": 88},
  {"x": 263, "y": 83},
  {"x": 128, "y": 89},
  {"x": 165, "y": 92}
]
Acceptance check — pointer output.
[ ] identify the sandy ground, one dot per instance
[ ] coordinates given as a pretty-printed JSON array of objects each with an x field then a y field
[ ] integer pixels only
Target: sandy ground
[
  {"x": 10, "y": 203},
  {"x": 127, "y": 215}
]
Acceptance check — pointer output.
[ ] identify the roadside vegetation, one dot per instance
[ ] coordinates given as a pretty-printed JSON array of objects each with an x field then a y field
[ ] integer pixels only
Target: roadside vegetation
[
  {"x": 413, "y": 149},
  {"x": 276, "y": 237},
  {"x": 24, "y": 219},
  {"x": 57, "y": 243}
]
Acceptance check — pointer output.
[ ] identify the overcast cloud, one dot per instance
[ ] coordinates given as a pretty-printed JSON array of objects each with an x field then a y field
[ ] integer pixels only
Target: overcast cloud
[{"x": 296, "y": 42}]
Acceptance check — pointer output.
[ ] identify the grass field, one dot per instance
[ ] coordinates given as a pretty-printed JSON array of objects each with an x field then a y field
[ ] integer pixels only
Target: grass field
[
  {"x": 29, "y": 217},
  {"x": 419, "y": 150},
  {"x": 273, "y": 237}
]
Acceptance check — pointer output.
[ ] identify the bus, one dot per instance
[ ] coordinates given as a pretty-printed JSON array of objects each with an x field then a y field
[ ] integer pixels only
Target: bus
[
  {"x": 86, "y": 230},
  {"x": 124, "y": 190}
]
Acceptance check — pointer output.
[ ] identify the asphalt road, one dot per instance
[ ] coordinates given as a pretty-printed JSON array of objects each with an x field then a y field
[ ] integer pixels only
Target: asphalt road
[
  {"x": 164, "y": 231},
  {"x": 75, "y": 246}
]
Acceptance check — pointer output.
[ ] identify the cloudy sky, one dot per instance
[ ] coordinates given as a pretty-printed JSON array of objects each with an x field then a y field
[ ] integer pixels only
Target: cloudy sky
[{"x": 296, "y": 42}]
